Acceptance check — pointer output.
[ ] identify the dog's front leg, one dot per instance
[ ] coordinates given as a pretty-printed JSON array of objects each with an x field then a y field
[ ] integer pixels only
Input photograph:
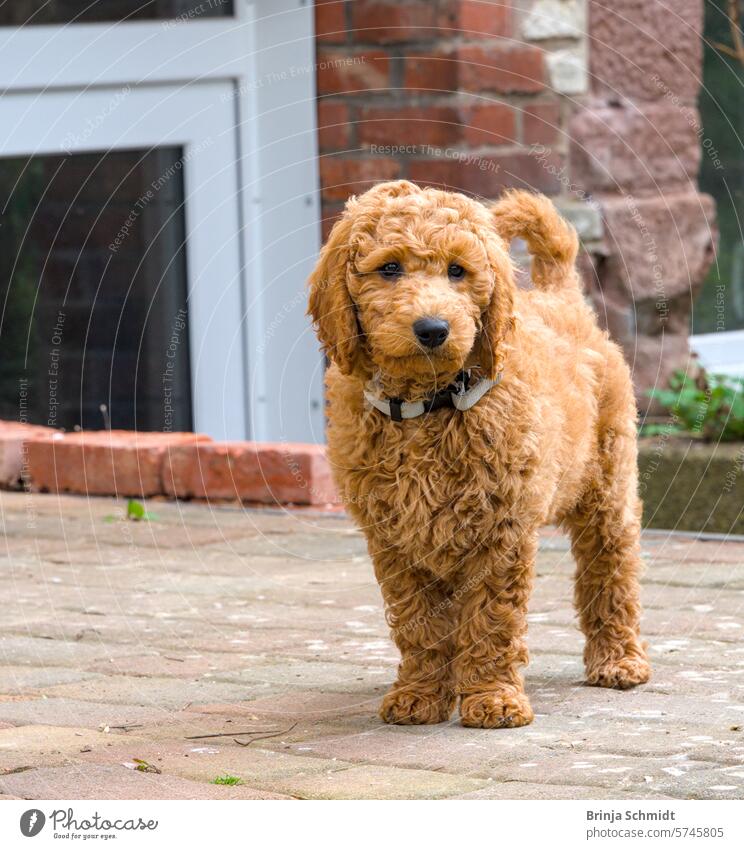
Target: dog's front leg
[
  {"x": 419, "y": 612},
  {"x": 490, "y": 645}
]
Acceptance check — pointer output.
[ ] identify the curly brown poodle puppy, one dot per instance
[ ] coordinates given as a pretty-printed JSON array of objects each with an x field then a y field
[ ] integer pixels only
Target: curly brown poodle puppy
[{"x": 527, "y": 418}]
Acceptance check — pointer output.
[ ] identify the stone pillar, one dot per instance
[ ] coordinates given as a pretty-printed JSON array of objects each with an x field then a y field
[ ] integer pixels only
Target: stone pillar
[{"x": 635, "y": 148}]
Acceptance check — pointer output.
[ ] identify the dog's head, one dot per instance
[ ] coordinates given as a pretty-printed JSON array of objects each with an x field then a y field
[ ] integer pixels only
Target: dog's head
[{"x": 415, "y": 283}]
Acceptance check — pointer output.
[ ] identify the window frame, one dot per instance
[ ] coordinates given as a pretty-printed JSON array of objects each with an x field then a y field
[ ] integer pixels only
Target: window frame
[{"x": 257, "y": 181}]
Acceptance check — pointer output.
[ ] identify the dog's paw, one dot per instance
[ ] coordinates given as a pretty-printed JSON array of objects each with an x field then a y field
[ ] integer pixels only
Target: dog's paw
[
  {"x": 403, "y": 706},
  {"x": 496, "y": 710},
  {"x": 621, "y": 674}
]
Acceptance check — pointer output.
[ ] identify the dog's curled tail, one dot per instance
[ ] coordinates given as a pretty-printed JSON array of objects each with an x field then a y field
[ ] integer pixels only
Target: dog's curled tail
[{"x": 551, "y": 240}]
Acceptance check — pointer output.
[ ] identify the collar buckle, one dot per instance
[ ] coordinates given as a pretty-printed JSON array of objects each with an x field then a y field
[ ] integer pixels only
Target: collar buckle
[{"x": 443, "y": 398}]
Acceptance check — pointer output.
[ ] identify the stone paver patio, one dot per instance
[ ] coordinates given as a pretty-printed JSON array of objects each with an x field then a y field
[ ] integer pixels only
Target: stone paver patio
[{"x": 126, "y": 644}]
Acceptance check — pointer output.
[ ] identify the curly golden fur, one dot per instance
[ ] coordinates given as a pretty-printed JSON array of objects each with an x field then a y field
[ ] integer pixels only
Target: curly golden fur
[{"x": 451, "y": 502}]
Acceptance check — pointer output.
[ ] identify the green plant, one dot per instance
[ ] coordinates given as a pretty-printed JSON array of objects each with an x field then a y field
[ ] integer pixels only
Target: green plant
[
  {"x": 658, "y": 429},
  {"x": 135, "y": 512},
  {"x": 229, "y": 780},
  {"x": 710, "y": 408}
]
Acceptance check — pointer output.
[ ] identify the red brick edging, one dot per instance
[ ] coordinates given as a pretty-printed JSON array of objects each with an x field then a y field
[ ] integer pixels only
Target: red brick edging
[
  {"x": 175, "y": 465},
  {"x": 249, "y": 471}
]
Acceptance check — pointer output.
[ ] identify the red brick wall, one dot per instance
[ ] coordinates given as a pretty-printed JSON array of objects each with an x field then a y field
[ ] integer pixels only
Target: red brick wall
[
  {"x": 442, "y": 92},
  {"x": 476, "y": 96}
]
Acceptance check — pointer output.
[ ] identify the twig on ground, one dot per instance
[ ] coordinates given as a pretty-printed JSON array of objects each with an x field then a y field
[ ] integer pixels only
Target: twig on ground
[
  {"x": 267, "y": 736},
  {"x": 227, "y": 734}
]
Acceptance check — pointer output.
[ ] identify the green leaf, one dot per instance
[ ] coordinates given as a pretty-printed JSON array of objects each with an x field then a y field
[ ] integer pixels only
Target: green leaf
[
  {"x": 665, "y": 397},
  {"x": 737, "y": 408},
  {"x": 136, "y": 511}
]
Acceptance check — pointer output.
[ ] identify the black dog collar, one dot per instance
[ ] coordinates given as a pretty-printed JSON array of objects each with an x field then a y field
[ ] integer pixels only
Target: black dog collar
[{"x": 458, "y": 395}]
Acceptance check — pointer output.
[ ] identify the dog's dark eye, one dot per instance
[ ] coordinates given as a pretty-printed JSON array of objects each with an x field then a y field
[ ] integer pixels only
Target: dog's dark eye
[
  {"x": 391, "y": 270},
  {"x": 455, "y": 271}
]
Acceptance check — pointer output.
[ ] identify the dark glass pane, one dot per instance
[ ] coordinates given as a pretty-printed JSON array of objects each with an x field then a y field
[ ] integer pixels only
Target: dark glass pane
[
  {"x": 720, "y": 305},
  {"x": 15, "y": 13},
  {"x": 93, "y": 293}
]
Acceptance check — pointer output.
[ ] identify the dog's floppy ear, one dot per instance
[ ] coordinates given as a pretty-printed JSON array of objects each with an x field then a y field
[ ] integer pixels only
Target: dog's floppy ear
[
  {"x": 330, "y": 304},
  {"x": 498, "y": 317}
]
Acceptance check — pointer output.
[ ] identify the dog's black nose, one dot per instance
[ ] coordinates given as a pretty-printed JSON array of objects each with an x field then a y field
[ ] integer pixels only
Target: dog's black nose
[{"x": 431, "y": 332}]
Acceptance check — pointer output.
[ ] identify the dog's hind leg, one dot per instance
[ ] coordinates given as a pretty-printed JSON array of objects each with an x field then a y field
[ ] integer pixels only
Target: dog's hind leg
[
  {"x": 605, "y": 535},
  {"x": 491, "y": 646},
  {"x": 419, "y": 612}
]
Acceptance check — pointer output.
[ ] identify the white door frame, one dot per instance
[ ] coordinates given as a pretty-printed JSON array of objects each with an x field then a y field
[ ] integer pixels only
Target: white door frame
[{"x": 238, "y": 95}]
